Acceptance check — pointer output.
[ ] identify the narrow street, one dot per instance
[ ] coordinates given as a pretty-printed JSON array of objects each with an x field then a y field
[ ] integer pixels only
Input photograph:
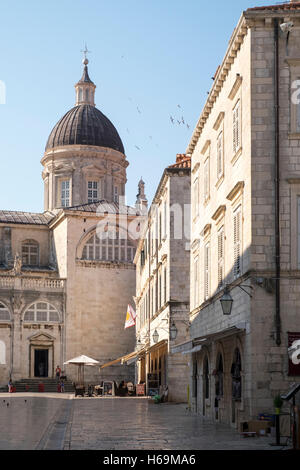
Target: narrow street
[{"x": 57, "y": 421}]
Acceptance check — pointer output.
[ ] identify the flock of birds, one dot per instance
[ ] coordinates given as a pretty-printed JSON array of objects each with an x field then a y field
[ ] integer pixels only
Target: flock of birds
[{"x": 173, "y": 119}]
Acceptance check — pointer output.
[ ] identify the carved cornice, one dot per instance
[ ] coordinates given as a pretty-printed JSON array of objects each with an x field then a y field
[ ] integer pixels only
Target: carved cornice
[
  {"x": 219, "y": 212},
  {"x": 221, "y": 75},
  {"x": 238, "y": 189},
  {"x": 206, "y": 231},
  {"x": 235, "y": 87},
  {"x": 205, "y": 147},
  {"x": 219, "y": 120}
]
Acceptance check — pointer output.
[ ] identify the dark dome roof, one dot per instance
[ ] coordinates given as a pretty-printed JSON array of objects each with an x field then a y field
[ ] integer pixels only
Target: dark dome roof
[{"x": 85, "y": 125}]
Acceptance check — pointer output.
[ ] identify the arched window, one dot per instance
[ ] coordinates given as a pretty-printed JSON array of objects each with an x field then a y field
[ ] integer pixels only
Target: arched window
[
  {"x": 41, "y": 312},
  {"x": 2, "y": 353},
  {"x": 110, "y": 248},
  {"x": 236, "y": 368},
  {"x": 4, "y": 313},
  {"x": 86, "y": 95},
  {"x": 30, "y": 253},
  {"x": 80, "y": 94}
]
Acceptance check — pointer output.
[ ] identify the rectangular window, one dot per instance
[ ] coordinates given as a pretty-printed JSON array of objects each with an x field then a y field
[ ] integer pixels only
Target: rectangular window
[
  {"x": 165, "y": 284},
  {"x": 196, "y": 197},
  {"x": 236, "y": 127},
  {"x": 165, "y": 220},
  {"x": 65, "y": 193},
  {"x": 92, "y": 191},
  {"x": 237, "y": 240},
  {"x": 298, "y": 231},
  {"x": 116, "y": 194},
  {"x": 220, "y": 164},
  {"x": 206, "y": 270},
  {"x": 206, "y": 180},
  {"x": 160, "y": 227},
  {"x": 221, "y": 257},
  {"x": 196, "y": 281}
]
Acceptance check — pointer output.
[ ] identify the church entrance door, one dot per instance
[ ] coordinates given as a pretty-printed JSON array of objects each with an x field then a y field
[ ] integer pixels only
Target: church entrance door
[{"x": 41, "y": 362}]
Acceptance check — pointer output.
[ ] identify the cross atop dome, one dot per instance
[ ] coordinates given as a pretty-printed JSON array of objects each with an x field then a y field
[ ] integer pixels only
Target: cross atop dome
[{"x": 85, "y": 88}]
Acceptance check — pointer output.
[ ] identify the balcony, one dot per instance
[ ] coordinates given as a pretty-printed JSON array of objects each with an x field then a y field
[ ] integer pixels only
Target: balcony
[{"x": 32, "y": 283}]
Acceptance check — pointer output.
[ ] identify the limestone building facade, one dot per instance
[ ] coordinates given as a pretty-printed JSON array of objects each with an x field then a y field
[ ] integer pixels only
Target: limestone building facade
[
  {"x": 67, "y": 274},
  {"x": 162, "y": 286},
  {"x": 245, "y": 191}
]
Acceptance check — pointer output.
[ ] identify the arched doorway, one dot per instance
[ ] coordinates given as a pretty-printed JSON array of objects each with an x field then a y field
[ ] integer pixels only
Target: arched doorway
[
  {"x": 205, "y": 384},
  {"x": 219, "y": 384},
  {"x": 236, "y": 388}
]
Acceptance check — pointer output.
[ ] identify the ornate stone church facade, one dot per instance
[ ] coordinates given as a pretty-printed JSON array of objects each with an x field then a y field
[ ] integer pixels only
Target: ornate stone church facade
[{"x": 65, "y": 283}]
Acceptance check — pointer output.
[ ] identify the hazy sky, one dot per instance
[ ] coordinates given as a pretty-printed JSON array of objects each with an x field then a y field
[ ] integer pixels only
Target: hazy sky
[{"x": 147, "y": 57}]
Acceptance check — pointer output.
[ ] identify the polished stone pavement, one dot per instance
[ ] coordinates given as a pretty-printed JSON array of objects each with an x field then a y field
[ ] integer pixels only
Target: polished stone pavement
[{"x": 60, "y": 421}]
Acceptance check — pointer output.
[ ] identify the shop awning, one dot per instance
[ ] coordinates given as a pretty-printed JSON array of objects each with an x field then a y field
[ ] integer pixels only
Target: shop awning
[
  {"x": 122, "y": 360},
  {"x": 182, "y": 347},
  {"x": 233, "y": 330},
  {"x": 125, "y": 360},
  {"x": 193, "y": 350}
]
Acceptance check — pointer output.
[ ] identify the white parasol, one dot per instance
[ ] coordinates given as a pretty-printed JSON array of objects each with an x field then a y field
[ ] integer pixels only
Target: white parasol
[{"x": 82, "y": 361}]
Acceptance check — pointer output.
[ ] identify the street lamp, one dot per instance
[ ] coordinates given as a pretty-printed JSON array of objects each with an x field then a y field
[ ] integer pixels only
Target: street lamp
[
  {"x": 173, "y": 332},
  {"x": 226, "y": 302},
  {"x": 155, "y": 336}
]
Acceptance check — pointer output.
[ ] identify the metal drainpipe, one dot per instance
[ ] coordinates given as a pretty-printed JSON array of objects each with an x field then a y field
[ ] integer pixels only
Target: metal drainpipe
[{"x": 277, "y": 186}]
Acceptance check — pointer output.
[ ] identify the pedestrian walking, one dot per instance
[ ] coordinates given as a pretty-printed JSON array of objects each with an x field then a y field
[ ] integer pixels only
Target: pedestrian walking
[
  {"x": 10, "y": 386},
  {"x": 58, "y": 372},
  {"x": 62, "y": 386}
]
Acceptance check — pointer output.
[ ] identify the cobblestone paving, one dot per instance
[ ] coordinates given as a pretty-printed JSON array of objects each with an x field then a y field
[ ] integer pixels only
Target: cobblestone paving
[
  {"x": 123, "y": 424},
  {"x": 60, "y": 421}
]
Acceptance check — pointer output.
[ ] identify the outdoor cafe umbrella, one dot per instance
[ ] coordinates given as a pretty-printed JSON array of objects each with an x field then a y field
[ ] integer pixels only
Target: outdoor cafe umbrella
[{"x": 82, "y": 361}]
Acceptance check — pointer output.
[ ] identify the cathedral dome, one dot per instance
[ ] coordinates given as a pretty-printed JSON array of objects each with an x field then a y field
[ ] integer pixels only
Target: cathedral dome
[{"x": 85, "y": 125}]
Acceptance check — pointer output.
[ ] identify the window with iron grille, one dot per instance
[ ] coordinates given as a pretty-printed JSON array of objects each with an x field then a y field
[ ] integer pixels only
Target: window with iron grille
[
  {"x": 30, "y": 253},
  {"x": 221, "y": 257},
  {"x": 237, "y": 240},
  {"x": 92, "y": 190}
]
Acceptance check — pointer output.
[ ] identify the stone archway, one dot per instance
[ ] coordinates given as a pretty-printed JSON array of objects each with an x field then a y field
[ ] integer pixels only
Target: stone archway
[{"x": 41, "y": 349}]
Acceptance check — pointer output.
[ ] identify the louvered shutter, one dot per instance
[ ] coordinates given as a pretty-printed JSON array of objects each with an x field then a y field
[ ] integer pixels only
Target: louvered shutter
[
  {"x": 220, "y": 257},
  {"x": 220, "y": 155},
  {"x": 234, "y": 131},
  {"x": 237, "y": 242},
  {"x": 206, "y": 271}
]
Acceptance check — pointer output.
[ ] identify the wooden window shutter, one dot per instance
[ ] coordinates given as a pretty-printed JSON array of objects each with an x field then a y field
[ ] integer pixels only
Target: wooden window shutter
[
  {"x": 237, "y": 242},
  {"x": 220, "y": 257}
]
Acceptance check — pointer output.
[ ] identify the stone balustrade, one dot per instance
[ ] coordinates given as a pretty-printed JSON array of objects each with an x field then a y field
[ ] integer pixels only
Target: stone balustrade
[{"x": 31, "y": 283}]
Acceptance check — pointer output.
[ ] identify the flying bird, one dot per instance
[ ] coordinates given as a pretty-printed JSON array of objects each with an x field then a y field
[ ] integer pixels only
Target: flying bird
[
  {"x": 188, "y": 126},
  {"x": 178, "y": 122},
  {"x": 137, "y": 147},
  {"x": 139, "y": 111},
  {"x": 182, "y": 120},
  {"x": 172, "y": 119},
  {"x": 178, "y": 106}
]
